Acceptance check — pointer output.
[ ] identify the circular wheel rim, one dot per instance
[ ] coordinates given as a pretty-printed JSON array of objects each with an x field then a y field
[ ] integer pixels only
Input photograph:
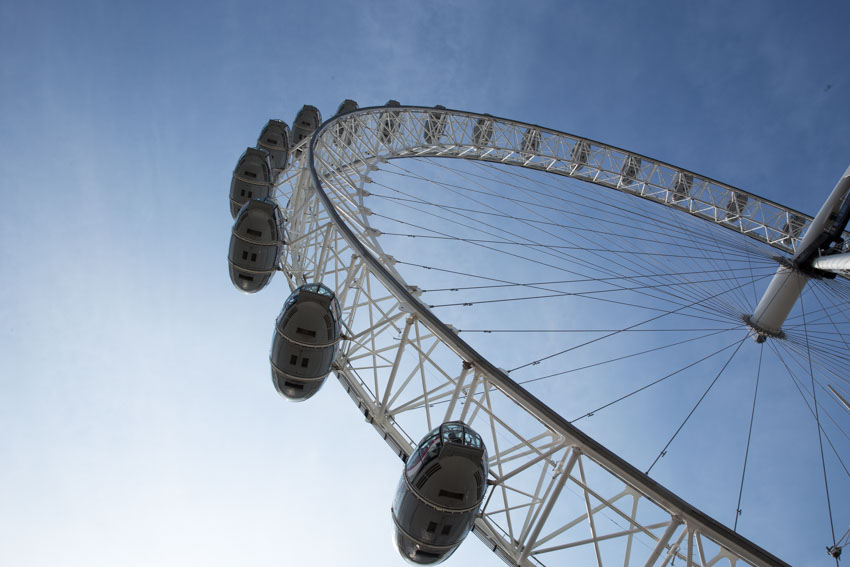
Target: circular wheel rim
[{"x": 317, "y": 217}]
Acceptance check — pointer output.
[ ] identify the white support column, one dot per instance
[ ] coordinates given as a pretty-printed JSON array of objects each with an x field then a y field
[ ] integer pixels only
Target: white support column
[
  {"x": 470, "y": 395},
  {"x": 841, "y": 399},
  {"x": 700, "y": 550},
  {"x": 674, "y": 549},
  {"x": 665, "y": 539},
  {"x": 353, "y": 266},
  {"x": 531, "y": 462},
  {"x": 825, "y": 216},
  {"x": 458, "y": 390},
  {"x": 633, "y": 521},
  {"x": 589, "y": 511},
  {"x": 690, "y": 558},
  {"x": 788, "y": 283},
  {"x": 778, "y": 300},
  {"x": 403, "y": 343},
  {"x": 553, "y": 497},
  {"x": 327, "y": 242},
  {"x": 836, "y": 263}
]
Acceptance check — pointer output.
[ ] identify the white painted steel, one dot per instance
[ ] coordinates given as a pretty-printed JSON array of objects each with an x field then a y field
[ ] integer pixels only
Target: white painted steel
[
  {"x": 399, "y": 358},
  {"x": 788, "y": 283},
  {"x": 837, "y": 263},
  {"x": 824, "y": 218},
  {"x": 778, "y": 300},
  {"x": 840, "y": 398}
]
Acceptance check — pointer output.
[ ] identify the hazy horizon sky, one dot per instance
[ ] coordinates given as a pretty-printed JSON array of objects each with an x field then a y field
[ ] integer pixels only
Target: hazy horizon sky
[{"x": 138, "y": 423}]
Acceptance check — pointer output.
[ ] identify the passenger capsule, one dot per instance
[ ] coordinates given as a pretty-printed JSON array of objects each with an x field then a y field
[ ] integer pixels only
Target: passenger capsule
[
  {"x": 306, "y": 338},
  {"x": 435, "y": 126},
  {"x": 482, "y": 132},
  {"x": 439, "y": 494},
  {"x": 252, "y": 179},
  {"x": 682, "y": 183},
  {"x": 735, "y": 205},
  {"x": 275, "y": 139},
  {"x": 346, "y": 130},
  {"x": 530, "y": 142},
  {"x": 630, "y": 169},
  {"x": 306, "y": 121},
  {"x": 793, "y": 228},
  {"x": 347, "y": 106},
  {"x": 389, "y": 122},
  {"x": 256, "y": 243},
  {"x": 580, "y": 153}
]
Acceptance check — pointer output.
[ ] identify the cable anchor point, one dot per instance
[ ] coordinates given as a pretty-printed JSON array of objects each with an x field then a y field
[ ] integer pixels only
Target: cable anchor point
[{"x": 834, "y": 551}]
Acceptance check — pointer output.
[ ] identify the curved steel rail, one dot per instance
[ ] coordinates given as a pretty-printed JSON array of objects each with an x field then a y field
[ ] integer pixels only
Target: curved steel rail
[{"x": 332, "y": 178}]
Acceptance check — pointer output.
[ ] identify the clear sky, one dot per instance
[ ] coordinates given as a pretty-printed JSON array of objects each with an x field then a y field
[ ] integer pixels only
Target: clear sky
[{"x": 138, "y": 424}]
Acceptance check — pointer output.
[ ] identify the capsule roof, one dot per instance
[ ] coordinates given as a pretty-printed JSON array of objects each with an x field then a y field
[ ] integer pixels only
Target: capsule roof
[
  {"x": 306, "y": 121},
  {"x": 456, "y": 432},
  {"x": 346, "y": 130},
  {"x": 274, "y": 138},
  {"x": 346, "y": 106},
  {"x": 435, "y": 125},
  {"x": 461, "y": 451},
  {"x": 389, "y": 122},
  {"x": 482, "y": 132}
]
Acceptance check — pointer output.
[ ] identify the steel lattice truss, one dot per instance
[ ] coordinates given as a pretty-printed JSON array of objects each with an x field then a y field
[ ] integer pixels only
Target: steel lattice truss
[{"x": 556, "y": 496}]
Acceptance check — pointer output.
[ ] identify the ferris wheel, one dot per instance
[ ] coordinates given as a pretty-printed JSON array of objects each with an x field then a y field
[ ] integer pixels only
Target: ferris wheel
[{"x": 533, "y": 303}]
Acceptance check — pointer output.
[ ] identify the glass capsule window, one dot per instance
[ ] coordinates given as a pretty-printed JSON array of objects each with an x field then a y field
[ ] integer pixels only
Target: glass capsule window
[
  {"x": 318, "y": 288},
  {"x": 457, "y": 432},
  {"x": 292, "y": 300},
  {"x": 427, "y": 449},
  {"x": 453, "y": 433},
  {"x": 472, "y": 439}
]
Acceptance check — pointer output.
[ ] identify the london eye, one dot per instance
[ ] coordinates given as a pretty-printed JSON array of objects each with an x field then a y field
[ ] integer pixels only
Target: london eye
[{"x": 619, "y": 339}]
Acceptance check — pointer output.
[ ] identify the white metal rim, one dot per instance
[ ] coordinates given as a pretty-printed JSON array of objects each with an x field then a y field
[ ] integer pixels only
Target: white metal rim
[{"x": 327, "y": 221}]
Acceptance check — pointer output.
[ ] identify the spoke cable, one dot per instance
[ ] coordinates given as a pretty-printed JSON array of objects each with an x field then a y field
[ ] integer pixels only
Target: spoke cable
[
  {"x": 646, "y": 307},
  {"x": 704, "y": 394},
  {"x": 572, "y": 186},
  {"x": 664, "y": 236},
  {"x": 611, "y": 334},
  {"x": 570, "y": 294},
  {"x": 749, "y": 438},
  {"x": 796, "y": 354},
  {"x": 660, "y": 236},
  {"x": 667, "y": 296},
  {"x": 557, "y": 282},
  {"x": 820, "y": 434},
  {"x": 623, "y": 357},
  {"x": 719, "y": 307},
  {"x": 802, "y": 392},
  {"x": 653, "y": 383},
  {"x": 669, "y": 330}
]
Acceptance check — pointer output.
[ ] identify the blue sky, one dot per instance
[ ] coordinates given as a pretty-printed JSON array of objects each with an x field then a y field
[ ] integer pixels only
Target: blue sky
[{"x": 138, "y": 421}]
